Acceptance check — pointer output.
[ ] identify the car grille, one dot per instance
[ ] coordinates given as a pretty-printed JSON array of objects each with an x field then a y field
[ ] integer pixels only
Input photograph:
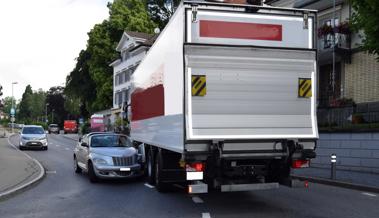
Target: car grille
[
  {"x": 123, "y": 161},
  {"x": 119, "y": 173},
  {"x": 33, "y": 144}
]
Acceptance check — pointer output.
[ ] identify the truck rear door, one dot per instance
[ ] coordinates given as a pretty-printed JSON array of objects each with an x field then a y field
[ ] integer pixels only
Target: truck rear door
[{"x": 250, "y": 76}]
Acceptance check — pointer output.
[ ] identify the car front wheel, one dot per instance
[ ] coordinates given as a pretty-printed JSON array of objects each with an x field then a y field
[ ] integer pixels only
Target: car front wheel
[
  {"x": 76, "y": 166},
  {"x": 91, "y": 173}
]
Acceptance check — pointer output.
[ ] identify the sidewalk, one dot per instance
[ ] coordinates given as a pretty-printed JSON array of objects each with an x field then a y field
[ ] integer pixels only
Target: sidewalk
[
  {"x": 17, "y": 170},
  {"x": 344, "y": 178}
]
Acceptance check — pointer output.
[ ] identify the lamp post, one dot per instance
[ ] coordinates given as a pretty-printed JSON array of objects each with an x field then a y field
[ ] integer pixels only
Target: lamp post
[
  {"x": 13, "y": 110},
  {"x": 47, "y": 104}
]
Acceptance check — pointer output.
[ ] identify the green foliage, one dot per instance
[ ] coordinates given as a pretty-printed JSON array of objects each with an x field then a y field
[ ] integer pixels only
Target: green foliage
[
  {"x": 91, "y": 81},
  {"x": 161, "y": 11},
  {"x": 7, "y": 101},
  {"x": 32, "y": 106},
  {"x": 56, "y": 100},
  {"x": 366, "y": 18}
]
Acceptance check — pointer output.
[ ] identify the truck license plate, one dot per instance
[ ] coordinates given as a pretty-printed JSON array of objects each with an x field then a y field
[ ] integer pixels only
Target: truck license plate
[{"x": 125, "y": 169}]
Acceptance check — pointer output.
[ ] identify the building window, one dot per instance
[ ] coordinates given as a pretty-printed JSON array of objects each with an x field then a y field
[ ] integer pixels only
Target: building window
[
  {"x": 120, "y": 78},
  {"x": 119, "y": 98},
  {"x": 328, "y": 39}
]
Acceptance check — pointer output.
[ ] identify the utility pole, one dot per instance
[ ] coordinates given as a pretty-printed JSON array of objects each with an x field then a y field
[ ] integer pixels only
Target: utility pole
[
  {"x": 334, "y": 52},
  {"x": 46, "y": 112}
]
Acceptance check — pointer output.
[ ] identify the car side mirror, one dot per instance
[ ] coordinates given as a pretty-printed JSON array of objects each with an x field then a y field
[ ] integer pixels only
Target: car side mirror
[{"x": 84, "y": 144}]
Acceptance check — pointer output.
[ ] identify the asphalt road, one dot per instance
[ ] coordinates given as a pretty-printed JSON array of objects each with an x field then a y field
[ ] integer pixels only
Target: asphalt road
[{"x": 65, "y": 194}]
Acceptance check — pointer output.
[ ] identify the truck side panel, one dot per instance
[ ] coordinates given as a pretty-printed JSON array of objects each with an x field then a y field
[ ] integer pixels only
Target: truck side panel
[{"x": 157, "y": 90}]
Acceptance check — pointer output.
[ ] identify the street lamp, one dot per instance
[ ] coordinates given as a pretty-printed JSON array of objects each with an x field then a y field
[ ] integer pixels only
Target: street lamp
[
  {"x": 13, "y": 110},
  {"x": 47, "y": 104}
]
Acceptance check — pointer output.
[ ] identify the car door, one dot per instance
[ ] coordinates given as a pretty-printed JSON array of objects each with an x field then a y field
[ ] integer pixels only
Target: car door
[{"x": 82, "y": 153}]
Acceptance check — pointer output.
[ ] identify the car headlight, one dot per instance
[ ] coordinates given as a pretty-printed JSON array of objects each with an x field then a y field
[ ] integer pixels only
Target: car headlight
[{"x": 100, "y": 161}]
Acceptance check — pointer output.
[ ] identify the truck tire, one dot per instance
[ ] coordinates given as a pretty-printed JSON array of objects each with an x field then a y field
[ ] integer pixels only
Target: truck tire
[
  {"x": 150, "y": 168},
  {"x": 159, "y": 184}
]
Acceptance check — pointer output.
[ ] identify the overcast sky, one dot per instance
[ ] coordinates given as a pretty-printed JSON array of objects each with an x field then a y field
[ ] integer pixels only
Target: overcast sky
[{"x": 40, "y": 39}]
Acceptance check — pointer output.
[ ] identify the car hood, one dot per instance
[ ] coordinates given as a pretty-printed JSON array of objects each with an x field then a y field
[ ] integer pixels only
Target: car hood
[
  {"x": 115, "y": 151},
  {"x": 34, "y": 136}
]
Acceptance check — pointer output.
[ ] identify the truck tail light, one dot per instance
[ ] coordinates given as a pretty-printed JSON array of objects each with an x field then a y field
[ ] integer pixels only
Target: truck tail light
[
  {"x": 296, "y": 164},
  {"x": 195, "y": 167}
]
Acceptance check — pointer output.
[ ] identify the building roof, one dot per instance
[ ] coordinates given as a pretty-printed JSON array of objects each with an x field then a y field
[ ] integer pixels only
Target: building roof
[{"x": 139, "y": 34}]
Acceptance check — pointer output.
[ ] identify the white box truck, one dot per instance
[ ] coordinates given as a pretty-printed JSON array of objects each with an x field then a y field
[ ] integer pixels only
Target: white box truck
[{"x": 226, "y": 97}]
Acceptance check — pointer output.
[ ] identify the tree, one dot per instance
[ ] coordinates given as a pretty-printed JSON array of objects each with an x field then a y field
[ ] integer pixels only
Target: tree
[
  {"x": 25, "y": 104},
  {"x": 7, "y": 102},
  {"x": 56, "y": 100},
  {"x": 366, "y": 18},
  {"x": 161, "y": 11},
  {"x": 91, "y": 81}
]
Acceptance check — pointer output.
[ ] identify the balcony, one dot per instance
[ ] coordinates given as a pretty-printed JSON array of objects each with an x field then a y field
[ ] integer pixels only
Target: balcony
[{"x": 342, "y": 43}]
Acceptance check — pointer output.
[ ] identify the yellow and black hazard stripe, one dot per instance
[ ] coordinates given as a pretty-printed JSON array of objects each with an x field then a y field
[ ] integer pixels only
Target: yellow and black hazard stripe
[
  {"x": 199, "y": 85},
  {"x": 305, "y": 88}
]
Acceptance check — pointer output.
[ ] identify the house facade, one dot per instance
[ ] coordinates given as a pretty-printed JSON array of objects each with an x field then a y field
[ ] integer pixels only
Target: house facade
[
  {"x": 132, "y": 47},
  {"x": 356, "y": 73}
]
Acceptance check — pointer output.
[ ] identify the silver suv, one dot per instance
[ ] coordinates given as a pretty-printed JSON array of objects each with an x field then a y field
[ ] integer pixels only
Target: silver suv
[
  {"x": 33, "y": 137},
  {"x": 107, "y": 155}
]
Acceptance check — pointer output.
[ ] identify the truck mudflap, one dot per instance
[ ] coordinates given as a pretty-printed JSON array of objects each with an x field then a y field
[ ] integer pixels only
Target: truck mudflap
[{"x": 248, "y": 187}]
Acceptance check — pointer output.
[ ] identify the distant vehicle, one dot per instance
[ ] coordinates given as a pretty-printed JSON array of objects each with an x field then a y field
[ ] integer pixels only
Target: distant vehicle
[
  {"x": 107, "y": 156},
  {"x": 32, "y": 136},
  {"x": 70, "y": 126},
  {"x": 53, "y": 128},
  {"x": 97, "y": 123}
]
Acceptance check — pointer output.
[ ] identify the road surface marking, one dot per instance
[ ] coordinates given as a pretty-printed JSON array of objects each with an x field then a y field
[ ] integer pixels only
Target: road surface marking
[
  {"x": 197, "y": 200},
  {"x": 51, "y": 172},
  {"x": 67, "y": 149},
  {"x": 57, "y": 145},
  {"x": 149, "y": 186},
  {"x": 205, "y": 215},
  {"x": 369, "y": 194}
]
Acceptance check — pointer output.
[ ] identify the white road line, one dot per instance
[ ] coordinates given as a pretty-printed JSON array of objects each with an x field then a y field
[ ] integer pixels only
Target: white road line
[
  {"x": 57, "y": 145},
  {"x": 51, "y": 172},
  {"x": 149, "y": 186},
  {"x": 369, "y": 194},
  {"x": 197, "y": 200},
  {"x": 205, "y": 215},
  {"x": 67, "y": 149}
]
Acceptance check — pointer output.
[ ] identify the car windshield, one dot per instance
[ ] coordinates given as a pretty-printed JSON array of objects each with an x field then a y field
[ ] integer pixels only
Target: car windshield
[
  {"x": 33, "y": 130},
  {"x": 110, "y": 141}
]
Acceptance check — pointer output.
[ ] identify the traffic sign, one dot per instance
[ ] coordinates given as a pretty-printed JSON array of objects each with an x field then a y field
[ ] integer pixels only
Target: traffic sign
[
  {"x": 81, "y": 120},
  {"x": 13, "y": 111},
  {"x": 13, "y": 119}
]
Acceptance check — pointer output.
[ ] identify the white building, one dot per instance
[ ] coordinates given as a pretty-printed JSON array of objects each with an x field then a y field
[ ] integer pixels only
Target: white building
[{"x": 133, "y": 47}]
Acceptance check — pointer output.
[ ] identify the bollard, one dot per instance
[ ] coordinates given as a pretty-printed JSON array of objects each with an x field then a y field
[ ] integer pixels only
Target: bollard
[{"x": 333, "y": 160}]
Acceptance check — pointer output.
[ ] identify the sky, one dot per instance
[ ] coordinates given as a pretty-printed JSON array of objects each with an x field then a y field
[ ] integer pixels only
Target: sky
[{"x": 40, "y": 39}]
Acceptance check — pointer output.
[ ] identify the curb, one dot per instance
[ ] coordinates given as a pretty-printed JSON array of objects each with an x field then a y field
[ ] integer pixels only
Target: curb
[
  {"x": 337, "y": 183},
  {"x": 23, "y": 186}
]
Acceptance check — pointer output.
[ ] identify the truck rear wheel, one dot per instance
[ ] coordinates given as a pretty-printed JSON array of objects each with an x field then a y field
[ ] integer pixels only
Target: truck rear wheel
[
  {"x": 159, "y": 184},
  {"x": 150, "y": 168}
]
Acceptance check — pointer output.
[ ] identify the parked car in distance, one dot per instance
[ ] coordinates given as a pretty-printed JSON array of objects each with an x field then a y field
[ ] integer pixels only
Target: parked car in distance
[
  {"x": 108, "y": 156},
  {"x": 32, "y": 136},
  {"x": 70, "y": 126},
  {"x": 53, "y": 128}
]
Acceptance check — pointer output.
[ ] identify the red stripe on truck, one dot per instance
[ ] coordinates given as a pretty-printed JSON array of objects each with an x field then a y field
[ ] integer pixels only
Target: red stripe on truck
[
  {"x": 148, "y": 103},
  {"x": 238, "y": 30}
]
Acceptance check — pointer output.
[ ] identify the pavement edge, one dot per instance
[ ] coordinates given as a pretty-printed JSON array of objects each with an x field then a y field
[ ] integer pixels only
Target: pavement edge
[
  {"x": 19, "y": 188},
  {"x": 337, "y": 183}
]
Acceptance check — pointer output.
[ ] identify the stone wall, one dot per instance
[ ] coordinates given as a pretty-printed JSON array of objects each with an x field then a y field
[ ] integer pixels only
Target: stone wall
[
  {"x": 362, "y": 78},
  {"x": 355, "y": 151}
]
